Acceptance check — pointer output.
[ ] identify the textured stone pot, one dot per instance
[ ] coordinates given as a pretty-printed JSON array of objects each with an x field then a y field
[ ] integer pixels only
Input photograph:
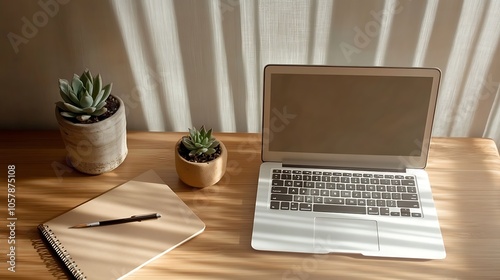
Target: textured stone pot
[
  {"x": 201, "y": 175},
  {"x": 98, "y": 147}
]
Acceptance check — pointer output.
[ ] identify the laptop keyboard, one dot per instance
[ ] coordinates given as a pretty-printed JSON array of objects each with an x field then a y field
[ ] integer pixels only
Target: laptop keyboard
[{"x": 366, "y": 193}]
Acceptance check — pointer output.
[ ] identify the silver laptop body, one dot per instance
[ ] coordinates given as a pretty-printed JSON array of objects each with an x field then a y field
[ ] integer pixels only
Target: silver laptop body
[{"x": 373, "y": 123}]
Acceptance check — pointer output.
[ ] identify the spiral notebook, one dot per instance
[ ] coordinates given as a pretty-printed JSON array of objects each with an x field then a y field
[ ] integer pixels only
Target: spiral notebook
[{"x": 116, "y": 251}]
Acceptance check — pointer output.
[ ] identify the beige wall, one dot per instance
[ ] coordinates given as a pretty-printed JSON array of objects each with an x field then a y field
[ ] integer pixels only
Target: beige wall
[
  {"x": 192, "y": 62},
  {"x": 44, "y": 43}
]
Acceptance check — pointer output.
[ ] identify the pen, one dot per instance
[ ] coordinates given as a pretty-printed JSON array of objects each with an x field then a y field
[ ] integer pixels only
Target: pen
[{"x": 135, "y": 218}]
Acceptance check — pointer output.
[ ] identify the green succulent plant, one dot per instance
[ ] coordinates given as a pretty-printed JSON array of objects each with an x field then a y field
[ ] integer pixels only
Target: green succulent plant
[
  {"x": 200, "y": 142},
  {"x": 83, "y": 97}
]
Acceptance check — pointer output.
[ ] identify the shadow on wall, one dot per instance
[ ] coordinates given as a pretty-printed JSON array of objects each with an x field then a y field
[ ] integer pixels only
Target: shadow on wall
[{"x": 52, "y": 39}]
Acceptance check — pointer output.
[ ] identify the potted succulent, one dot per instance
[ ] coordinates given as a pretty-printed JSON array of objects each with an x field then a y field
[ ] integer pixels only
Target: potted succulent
[
  {"x": 200, "y": 159},
  {"x": 92, "y": 124}
]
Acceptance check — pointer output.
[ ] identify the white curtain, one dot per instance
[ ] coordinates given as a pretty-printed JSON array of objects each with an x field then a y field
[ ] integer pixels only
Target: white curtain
[{"x": 184, "y": 63}]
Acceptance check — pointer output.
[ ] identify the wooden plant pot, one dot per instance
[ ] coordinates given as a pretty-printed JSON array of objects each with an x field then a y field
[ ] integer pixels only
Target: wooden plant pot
[
  {"x": 201, "y": 175},
  {"x": 98, "y": 147}
]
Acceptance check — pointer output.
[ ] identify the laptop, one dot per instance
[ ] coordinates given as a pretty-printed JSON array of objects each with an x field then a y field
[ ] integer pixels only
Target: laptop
[{"x": 344, "y": 151}]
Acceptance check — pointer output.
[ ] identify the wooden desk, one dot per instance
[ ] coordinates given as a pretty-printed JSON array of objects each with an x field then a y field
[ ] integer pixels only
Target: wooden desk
[{"x": 464, "y": 172}]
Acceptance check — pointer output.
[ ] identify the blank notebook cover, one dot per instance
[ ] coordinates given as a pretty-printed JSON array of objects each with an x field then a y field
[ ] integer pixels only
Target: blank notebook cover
[{"x": 115, "y": 251}]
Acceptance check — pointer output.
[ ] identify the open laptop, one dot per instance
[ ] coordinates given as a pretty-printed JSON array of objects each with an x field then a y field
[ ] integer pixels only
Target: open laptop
[{"x": 344, "y": 151}]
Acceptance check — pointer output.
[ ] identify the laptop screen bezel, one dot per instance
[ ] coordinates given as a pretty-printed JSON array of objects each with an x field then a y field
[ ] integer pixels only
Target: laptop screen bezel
[{"x": 348, "y": 160}]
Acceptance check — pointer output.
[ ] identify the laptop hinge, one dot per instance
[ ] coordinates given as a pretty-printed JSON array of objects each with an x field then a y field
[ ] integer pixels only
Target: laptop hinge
[{"x": 400, "y": 170}]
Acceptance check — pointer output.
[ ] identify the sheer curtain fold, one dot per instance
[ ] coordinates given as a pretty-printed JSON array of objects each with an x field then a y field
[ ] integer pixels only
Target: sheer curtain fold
[{"x": 201, "y": 62}]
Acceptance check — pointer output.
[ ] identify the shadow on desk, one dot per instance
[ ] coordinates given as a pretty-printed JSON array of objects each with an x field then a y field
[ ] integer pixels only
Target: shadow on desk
[{"x": 52, "y": 262}]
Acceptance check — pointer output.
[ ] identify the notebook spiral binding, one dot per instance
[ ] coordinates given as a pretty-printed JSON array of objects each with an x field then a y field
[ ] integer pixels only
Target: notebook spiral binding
[{"x": 61, "y": 252}]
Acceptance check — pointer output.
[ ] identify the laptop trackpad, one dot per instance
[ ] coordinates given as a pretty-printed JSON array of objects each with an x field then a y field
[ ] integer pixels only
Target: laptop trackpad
[{"x": 344, "y": 235}]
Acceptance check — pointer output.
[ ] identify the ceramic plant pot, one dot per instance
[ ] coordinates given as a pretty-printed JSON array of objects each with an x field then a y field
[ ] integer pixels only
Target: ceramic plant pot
[
  {"x": 201, "y": 175},
  {"x": 98, "y": 147}
]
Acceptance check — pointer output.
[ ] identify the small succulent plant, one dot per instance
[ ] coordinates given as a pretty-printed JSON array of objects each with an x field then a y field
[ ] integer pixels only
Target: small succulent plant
[
  {"x": 83, "y": 97},
  {"x": 200, "y": 142}
]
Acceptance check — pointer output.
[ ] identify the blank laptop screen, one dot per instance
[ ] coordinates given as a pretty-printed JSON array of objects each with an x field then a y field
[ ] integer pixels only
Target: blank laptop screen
[{"x": 348, "y": 114}]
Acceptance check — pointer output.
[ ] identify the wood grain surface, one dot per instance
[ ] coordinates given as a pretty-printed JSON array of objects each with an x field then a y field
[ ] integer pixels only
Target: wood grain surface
[{"x": 464, "y": 174}]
